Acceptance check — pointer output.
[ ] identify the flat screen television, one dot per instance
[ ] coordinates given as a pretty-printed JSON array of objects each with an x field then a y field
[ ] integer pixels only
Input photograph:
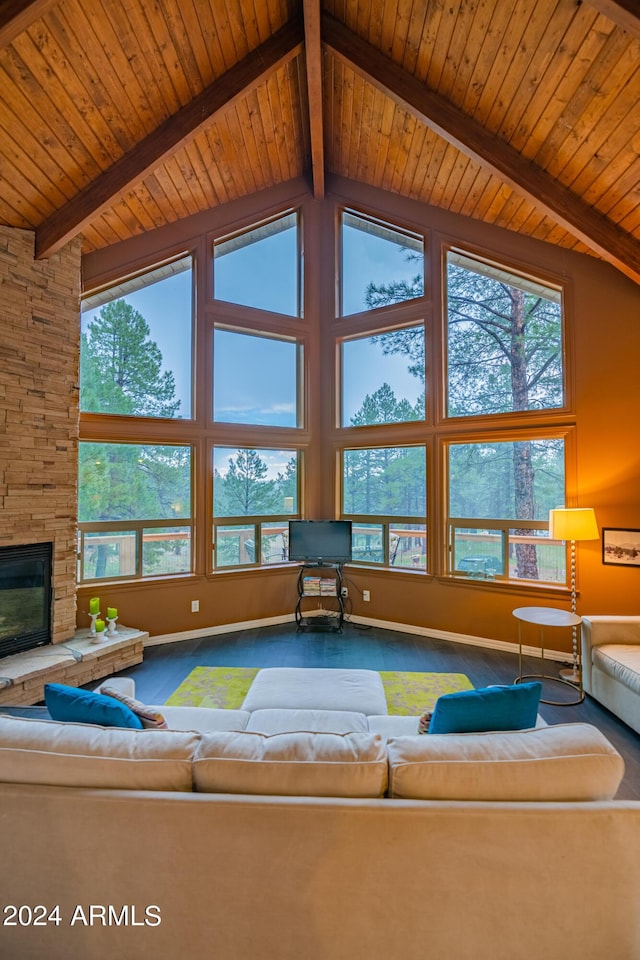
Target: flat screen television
[{"x": 320, "y": 541}]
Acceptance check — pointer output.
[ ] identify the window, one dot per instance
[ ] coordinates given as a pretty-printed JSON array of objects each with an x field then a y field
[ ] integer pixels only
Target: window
[
  {"x": 384, "y": 493},
  {"x": 383, "y": 382},
  {"x": 477, "y": 376},
  {"x": 136, "y": 345},
  {"x": 255, "y": 379},
  {"x": 248, "y": 487},
  {"x": 261, "y": 267},
  {"x": 134, "y": 510},
  {"x": 504, "y": 340},
  {"x": 381, "y": 264},
  {"x": 383, "y": 377},
  {"x": 504, "y": 352},
  {"x": 139, "y": 382},
  {"x": 500, "y": 494}
]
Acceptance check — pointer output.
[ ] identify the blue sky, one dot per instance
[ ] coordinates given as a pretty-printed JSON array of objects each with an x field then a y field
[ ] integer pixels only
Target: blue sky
[
  {"x": 366, "y": 369},
  {"x": 261, "y": 274},
  {"x": 254, "y": 379},
  {"x": 368, "y": 258}
]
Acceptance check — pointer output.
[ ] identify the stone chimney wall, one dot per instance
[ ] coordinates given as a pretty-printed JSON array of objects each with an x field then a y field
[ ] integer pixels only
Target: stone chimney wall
[{"x": 39, "y": 414}]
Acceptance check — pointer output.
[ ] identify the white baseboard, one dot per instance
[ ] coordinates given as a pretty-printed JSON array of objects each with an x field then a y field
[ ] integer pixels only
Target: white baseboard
[
  {"x": 215, "y": 631},
  {"x": 486, "y": 642}
]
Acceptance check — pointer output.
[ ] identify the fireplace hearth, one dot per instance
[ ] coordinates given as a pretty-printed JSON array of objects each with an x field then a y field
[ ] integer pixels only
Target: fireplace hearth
[{"x": 25, "y": 597}]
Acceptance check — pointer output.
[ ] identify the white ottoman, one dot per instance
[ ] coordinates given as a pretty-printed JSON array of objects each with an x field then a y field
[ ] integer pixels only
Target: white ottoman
[{"x": 301, "y": 688}]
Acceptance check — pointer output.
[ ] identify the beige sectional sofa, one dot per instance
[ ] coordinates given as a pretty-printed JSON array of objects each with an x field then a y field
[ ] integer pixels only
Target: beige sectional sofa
[
  {"x": 313, "y": 845},
  {"x": 611, "y": 664}
]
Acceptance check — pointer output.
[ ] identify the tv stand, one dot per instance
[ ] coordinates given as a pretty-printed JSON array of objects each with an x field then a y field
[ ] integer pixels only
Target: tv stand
[{"x": 320, "y": 583}]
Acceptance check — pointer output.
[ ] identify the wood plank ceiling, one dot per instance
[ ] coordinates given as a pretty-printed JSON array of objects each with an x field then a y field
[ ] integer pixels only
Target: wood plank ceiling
[{"x": 118, "y": 116}]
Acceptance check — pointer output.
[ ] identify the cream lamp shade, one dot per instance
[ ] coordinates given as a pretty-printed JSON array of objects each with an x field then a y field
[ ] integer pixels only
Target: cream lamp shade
[{"x": 573, "y": 523}]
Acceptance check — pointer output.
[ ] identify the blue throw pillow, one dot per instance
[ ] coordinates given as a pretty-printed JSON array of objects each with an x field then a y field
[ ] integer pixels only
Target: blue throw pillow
[
  {"x": 73, "y": 705},
  {"x": 512, "y": 707}
]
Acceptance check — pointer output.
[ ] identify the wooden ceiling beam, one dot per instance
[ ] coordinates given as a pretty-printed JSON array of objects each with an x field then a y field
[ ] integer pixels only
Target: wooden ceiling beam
[
  {"x": 174, "y": 133},
  {"x": 595, "y": 230},
  {"x": 17, "y": 15},
  {"x": 313, "y": 57},
  {"x": 624, "y": 13}
]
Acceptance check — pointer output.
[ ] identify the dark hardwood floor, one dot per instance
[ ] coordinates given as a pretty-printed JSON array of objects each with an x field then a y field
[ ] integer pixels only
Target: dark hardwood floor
[{"x": 166, "y": 666}]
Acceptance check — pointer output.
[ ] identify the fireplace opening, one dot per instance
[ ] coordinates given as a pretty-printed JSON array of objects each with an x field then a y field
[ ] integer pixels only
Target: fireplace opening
[{"x": 25, "y": 597}]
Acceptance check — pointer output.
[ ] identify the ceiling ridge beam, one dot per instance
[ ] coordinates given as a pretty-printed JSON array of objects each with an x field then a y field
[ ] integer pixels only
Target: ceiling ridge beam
[
  {"x": 16, "y": 16},
  {"x": 313, "y": 58},
  {"x": 584, "y": 222},
  {"x": 174, "y": 133}
]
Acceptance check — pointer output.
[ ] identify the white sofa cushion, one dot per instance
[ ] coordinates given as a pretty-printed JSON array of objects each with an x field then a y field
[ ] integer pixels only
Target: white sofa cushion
[
  {"x": 292, "y": 764},
  {"x": 620, "y": 661},
  {"x": 571, "y": 761},
  {"x": 299, "y": 688},
  {"x": 393, "y": 726},
  {"x": 316, "y": 721},
  {"x": 396, "y": 726},
  {"x": 204, "y": 719},
  {"x": 84, "y": 755}
]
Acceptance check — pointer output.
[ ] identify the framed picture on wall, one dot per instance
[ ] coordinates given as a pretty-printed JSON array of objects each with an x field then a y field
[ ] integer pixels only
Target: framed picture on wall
[{"x": 621, "y": 546}]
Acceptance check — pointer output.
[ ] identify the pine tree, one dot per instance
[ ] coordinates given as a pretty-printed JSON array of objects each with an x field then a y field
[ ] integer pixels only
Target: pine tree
[
  {"x": 503, "y": 354},
  {"x": 121, "y": 367},
  {"x": 121, "y": 373},
  {"x": 245, "y": 490}
]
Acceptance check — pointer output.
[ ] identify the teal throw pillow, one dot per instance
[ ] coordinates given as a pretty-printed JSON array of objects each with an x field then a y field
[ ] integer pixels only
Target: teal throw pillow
[
  {"x": 513, "y": 707},
  {"x": 72, "y": 705}
]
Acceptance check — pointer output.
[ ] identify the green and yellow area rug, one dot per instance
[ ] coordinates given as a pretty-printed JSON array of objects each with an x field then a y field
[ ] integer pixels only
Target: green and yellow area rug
[{"x": 408, "y": 694}]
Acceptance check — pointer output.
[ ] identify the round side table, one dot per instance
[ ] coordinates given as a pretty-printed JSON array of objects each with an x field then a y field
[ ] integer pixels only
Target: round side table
[{"x": 547, "y": 617}]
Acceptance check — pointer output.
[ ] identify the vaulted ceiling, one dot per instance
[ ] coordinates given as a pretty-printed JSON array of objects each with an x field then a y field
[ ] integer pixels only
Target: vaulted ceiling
[{"x": 118, "y": 116}]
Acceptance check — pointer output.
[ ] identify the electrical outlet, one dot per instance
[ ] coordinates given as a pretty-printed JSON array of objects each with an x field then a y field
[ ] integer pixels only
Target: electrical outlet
[
  {"x": 195, "y": 606},
  {"x": 344, "y": 592},
  {"x": 366, "y": 596}
]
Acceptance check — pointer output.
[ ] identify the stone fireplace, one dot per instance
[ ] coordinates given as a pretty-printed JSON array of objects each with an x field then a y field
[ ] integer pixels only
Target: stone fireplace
[
  {"x": 39, "y": 363},
  {"x": 39, "y": 422},
  {"x": 25, "y": 597}
]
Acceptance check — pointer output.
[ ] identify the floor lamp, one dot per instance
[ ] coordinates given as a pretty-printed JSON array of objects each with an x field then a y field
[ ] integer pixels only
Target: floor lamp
[{"x": 572, "y": 524}]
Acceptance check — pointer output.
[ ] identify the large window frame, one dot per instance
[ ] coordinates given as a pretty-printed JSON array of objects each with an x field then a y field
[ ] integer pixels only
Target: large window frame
[
  {"x": 415, "y": 412},
  {"x": 383, "y": 229},
  {"x": 394, "y": 528},
  {"x": 200, "y": 431},
  {"x": 520, "y": 279},
  {"x": 298, "y": 371},
  {"x": 130, "y": 539},
  {"x": 108, "y": 295},
  {"x": 319, "y": 332},
  {"x": 390, "y": 430},
  {"x": 440, "y": 429},
  {"x": 553, "y": 422},
  {"x": 254, "y": 530},
  {"x": 508, "y": 533},
  {"x": 263, "y": 229}
]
